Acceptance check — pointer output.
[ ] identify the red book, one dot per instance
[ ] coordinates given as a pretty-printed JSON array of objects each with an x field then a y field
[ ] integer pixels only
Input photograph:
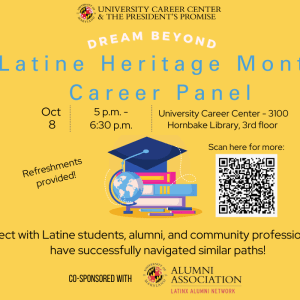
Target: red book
[
  {"x": 183, "y": 212},
  {"x": 156, "y": 177}
]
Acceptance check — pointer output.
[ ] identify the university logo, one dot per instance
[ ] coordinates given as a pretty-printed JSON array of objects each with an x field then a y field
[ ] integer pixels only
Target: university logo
[
  {"x": 86, "y": 13},
  {"x": 155, "y": 275}
]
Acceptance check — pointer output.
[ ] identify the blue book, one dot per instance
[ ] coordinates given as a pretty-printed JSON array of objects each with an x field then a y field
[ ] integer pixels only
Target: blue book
[
  {"x": 152, "y": 209},
  {"x": 177, "y": 190},
  {"x": 180, "y": 208},
  {"x": 161, "y": 214}
]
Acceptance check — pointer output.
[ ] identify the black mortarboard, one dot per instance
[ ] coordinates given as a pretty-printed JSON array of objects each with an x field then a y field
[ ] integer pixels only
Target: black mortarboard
[{"x": 153, "y": 161}]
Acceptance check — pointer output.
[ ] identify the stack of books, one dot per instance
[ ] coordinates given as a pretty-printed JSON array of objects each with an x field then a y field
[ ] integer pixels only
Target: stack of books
[{"x": 161, "y": 192}]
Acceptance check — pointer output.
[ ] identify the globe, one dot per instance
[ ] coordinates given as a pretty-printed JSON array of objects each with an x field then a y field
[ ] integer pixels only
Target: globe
[{"x": 128, "y": 187}]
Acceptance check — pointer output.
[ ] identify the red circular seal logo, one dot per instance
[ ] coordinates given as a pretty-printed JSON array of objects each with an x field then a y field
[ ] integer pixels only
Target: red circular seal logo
[
  {"x": 155, "y": 275},
  {"x": 86, "y": 13}
]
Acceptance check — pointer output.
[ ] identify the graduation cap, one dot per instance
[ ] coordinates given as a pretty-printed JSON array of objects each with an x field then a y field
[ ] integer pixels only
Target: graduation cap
[{"x": 147, "y": 155}]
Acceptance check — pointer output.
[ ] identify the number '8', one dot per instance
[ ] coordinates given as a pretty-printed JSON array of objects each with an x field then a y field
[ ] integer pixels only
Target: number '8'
[{"x": 51, "y": 124}]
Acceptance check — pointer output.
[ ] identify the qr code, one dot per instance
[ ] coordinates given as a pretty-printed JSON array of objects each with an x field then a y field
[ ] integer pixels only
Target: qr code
[{"x": 246, "y": 185}]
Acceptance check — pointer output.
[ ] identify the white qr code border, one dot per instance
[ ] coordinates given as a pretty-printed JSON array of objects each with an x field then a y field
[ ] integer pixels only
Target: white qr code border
[{"x": 217, "y": 185}]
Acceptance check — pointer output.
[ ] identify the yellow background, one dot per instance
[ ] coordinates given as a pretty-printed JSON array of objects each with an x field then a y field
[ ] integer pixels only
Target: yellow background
[{"x": 35, "y": 29}]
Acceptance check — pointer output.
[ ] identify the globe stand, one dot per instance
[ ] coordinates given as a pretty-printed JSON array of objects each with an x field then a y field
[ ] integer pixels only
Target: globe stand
[{"x": 127, "y": 211}]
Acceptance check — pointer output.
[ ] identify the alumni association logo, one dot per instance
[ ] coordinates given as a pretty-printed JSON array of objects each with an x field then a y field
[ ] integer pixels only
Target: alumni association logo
[
  {"x": 155, "y": 275},
  {"x": 86, "y": 13}
]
